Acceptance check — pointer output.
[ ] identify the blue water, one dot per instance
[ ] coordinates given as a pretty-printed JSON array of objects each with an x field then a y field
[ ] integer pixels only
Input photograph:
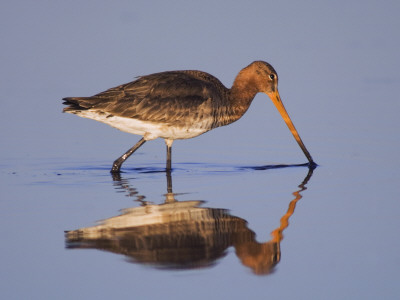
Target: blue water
[{"x": 326, "y": 233}]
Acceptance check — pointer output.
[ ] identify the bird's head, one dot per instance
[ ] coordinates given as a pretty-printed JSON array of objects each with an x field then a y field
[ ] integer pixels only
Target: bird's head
[{"x": 265, "y": 79}]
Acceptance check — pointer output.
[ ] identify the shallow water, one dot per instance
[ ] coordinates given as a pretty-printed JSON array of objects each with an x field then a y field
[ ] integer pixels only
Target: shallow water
[
  {"x": 239, "y": 216},
  {"x": 233, "y": 228}
]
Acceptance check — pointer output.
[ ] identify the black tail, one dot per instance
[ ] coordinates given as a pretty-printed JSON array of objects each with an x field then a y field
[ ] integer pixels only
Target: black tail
[{"x": 78, "y": 103}]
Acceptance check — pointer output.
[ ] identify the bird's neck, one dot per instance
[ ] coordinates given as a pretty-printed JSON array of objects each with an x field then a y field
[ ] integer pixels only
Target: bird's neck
[{"x": 242, "y": 93}]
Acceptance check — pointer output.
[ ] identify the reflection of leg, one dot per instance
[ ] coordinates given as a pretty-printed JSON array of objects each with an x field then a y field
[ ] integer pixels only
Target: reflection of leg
[
  {"x": 169, "y": 149},
  {"x": 169, "y": 196},
  {"x": 169, "y": 181},
  {"x": 118, "y": 162}
]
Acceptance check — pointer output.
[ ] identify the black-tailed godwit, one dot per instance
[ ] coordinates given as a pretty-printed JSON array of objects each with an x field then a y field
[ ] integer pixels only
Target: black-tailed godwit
[{"x": 180, "y": 105}]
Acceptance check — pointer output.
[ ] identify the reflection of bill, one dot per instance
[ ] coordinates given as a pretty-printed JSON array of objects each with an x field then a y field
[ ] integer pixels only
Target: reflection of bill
[{"x": 182, "y": 235}]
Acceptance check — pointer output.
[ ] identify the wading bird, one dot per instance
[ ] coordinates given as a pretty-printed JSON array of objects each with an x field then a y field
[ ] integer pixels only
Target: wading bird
[{"x": 180, "y": 105}]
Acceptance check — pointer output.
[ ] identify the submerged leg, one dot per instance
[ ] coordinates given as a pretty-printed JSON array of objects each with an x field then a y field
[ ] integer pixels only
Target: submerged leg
[
  {"x": 169, "y": 149},
  {"x": 118, "y": 162}
]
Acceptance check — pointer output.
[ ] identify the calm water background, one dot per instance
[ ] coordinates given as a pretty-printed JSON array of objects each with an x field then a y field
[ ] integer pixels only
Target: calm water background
[{"x": 338, "y": 63}]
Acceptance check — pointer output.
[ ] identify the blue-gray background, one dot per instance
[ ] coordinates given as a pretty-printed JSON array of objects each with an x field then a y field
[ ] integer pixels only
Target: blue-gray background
[{"x": 338, "y": 63}]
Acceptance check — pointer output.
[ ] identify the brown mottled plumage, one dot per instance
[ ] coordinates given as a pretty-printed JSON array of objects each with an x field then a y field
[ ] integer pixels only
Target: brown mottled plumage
[{"x": 179, "y": 105}]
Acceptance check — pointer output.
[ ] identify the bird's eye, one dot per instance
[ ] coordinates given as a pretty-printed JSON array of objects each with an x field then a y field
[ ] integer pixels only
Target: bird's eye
[{"x": 272, "y": 76}]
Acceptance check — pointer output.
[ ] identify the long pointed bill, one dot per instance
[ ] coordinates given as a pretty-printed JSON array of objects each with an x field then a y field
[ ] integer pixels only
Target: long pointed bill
[{"x": 276, "y": 99}]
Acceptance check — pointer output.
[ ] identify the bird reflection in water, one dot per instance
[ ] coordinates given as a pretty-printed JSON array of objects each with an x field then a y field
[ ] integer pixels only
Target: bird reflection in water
[{"x": 182, "y": 234}]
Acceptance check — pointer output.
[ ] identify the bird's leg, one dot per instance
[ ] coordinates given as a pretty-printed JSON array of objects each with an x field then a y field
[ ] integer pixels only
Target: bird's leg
[
  {"x": 169, "y": 149},
  {"x": 118, "y": 162}
]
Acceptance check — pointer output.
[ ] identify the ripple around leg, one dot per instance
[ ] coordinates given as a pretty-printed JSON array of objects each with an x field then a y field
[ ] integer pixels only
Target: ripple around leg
[{"x": 183, "y": 168}]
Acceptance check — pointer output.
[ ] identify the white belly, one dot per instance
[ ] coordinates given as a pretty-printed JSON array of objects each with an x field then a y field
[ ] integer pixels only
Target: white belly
[{"x": 149, "y": 130}]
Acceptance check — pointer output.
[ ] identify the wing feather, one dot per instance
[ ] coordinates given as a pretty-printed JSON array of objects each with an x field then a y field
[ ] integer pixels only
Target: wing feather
[{"x": 160, "y": 97}]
